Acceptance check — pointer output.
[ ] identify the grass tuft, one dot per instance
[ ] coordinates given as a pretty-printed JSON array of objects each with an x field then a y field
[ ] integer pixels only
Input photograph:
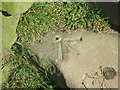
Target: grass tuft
[{"x": 23, "y": 73}]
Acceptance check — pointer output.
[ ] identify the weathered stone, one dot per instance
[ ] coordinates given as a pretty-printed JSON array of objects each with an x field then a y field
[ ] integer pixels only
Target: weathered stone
[{"x": 96, "y": 51}]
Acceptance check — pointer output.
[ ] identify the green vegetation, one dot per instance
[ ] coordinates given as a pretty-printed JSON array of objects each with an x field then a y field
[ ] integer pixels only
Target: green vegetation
[
  {"x": 34, "y": 23},
  {"x": 23, "y": 73},
  {"x": 63, "y": 16}
]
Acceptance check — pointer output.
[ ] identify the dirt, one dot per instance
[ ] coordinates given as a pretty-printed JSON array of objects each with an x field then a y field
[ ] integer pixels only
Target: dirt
[{"x": 82, "y": 61}]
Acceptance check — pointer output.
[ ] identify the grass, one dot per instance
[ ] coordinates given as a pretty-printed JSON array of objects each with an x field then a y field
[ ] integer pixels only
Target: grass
[
  {"x": 36, "y": 22},
  {"x": 62, "y": 16},
  {"x": 23, "y": 73}
]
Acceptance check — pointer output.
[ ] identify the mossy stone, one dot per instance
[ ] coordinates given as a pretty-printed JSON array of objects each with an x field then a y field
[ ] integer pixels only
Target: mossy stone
[
  {"x": 9, "y": 24},
  {"x": 15, "y": 8}
]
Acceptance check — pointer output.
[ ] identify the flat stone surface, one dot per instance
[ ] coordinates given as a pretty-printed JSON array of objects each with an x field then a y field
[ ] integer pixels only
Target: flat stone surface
[{"x": 96, "y": 52}]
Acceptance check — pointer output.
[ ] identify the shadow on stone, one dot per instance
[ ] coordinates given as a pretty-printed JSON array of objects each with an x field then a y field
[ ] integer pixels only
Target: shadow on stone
[
  {"x": 5, "y": 13},
  {"x": 59, "y": 80},
  {"x": 56, "y": 78}
]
